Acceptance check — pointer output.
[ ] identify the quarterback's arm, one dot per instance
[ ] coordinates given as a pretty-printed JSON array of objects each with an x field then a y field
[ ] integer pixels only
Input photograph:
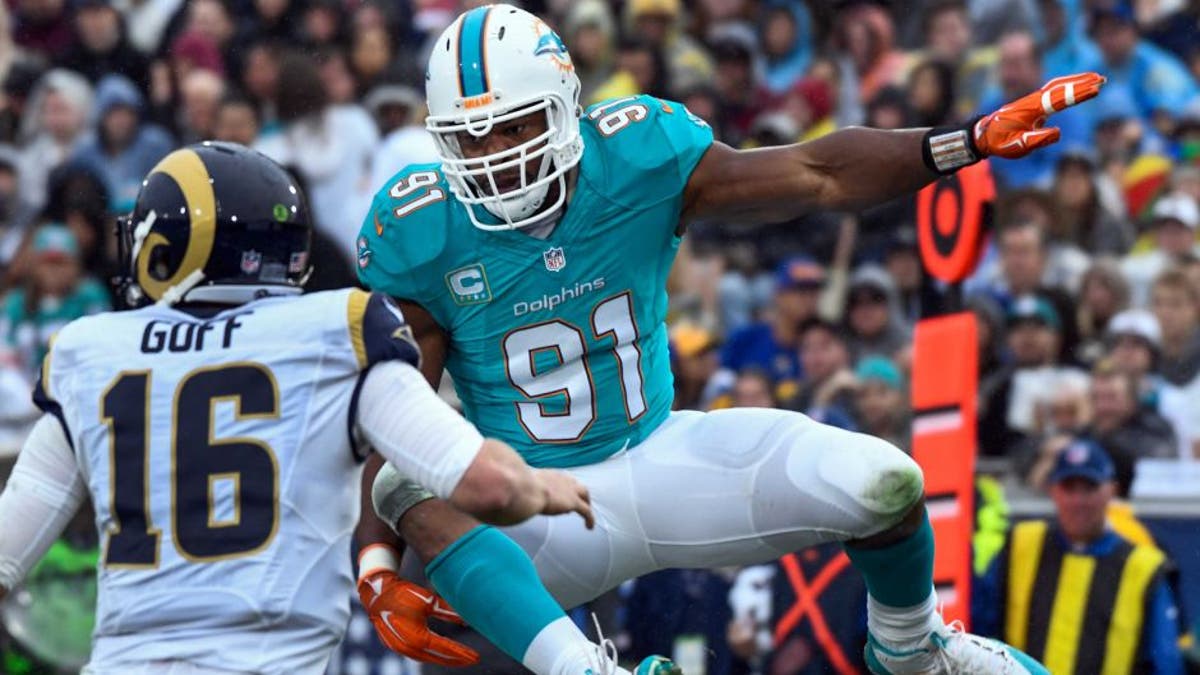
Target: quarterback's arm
[
  {"x": 42, "y": 495},
  {"x": 857, "y": 167},
  {"x": 432, "y": 341}
]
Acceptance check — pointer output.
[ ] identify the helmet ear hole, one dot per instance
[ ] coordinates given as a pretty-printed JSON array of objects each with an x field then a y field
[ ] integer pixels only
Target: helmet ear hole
[{"x": 159, "y": 266}]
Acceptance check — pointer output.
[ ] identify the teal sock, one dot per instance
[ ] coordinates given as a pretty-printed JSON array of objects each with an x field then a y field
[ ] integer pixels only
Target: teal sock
[
  {"x": 494, "y": 587},
  {"x": 900, "y": 575}
]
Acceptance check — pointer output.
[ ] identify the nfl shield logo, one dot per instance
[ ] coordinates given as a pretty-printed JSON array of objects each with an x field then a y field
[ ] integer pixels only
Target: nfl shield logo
[
  {"x": 555, "y": 260},
  {"x": 251, "y": 261}
]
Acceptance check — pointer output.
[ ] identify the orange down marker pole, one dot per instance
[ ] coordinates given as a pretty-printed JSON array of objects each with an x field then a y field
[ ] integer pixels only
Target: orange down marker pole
[{"x": 953, "y": 214}]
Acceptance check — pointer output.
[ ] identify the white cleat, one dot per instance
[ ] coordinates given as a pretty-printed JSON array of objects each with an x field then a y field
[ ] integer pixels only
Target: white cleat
[{"x": 950, "y": 651}]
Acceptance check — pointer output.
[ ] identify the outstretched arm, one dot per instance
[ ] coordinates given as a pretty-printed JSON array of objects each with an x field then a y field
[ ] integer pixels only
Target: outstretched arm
[
  {"x": 847, "y": 169},
  {"x": 857, "y": 167},
  {"x": 42, "y": 495}
]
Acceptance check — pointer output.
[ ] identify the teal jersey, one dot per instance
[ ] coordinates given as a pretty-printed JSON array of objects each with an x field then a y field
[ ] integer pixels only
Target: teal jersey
[{"x": 558, "y": 346}]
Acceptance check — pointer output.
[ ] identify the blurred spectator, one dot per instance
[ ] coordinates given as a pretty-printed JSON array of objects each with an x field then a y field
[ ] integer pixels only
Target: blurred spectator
[
  {"x": 1010, "y": 397},
  {"x": 931, "y": 95},
  {"x": 915, "y": 290},
  {"x": 42, "y": 26},
  {"x": 124, "y": 148},
  {"x": 826, "y": 393},
  {"x": 340, "y": 84},
  {"x": 397, "y": 110},
  {"x": 1029, "y": 262},
  {"x": 880, "y": 404},
  {"x": 1175, "y": 220},
  {"x": 16, "y": 213},
  {"x": 1126, "y": 429},
  {"x": 659, "y": 23},
  {"x": 1158, "y": 81},
  {"x": 1084, "y": 218},
  {"x": 873, "y": 320},
  {"x": 331, "y": 145},
  {"x": 1134, "y": 342},
  {"x": 372, "y": 57},
  {"x": 705, "y": 102},
  {"x": 322, "y": 24},
  {"x": 949, "y": 40},
  {"x": 260, "y": 80},
  {"x": 213, "y": 19},
  {"x": 737, "y": 83},
  {"x": 590, "y": 29},
  {"x": 641, "y": 69},
  {"x": 55, "y": 292},
  {"x": 864, "y": 38},
  {"x": 147, "y": 21},
  {"x": 889, "y": 109},
  {"x": 78, "y": 199},
  {"x": 56, "y": 121},
  {"x": 1125, "y": 591},
  {"x": 695, "y": 362},
  {"x": 1065, "y": 262},
  {"x": 772, "y": 345},
  {"x": 989, "y": 326},
  {"x": 753, "y": 388},
  {"x": 1067, "y": 49},
  {"x": 1176, "y": 304},
  {"x": 809, "y": 104},
  {"x": 101, "y": 47},
  {"x": 201, "y": 92},
  {"x": 274, "y": 19},
  {"x": 237, "y": 120},
  {"x": 786, "y": 31},
  {"x": 1103, "y": 293}
]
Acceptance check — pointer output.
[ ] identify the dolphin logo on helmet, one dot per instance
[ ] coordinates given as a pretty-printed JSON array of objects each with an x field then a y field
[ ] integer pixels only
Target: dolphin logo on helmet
[{"x": 549, "y": 43}]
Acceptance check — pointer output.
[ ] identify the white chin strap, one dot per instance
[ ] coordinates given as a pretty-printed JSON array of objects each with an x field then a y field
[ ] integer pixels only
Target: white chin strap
[{"x": 520, "y": 210}]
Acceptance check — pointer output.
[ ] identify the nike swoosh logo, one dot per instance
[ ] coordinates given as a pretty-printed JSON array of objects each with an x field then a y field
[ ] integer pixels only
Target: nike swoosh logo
[
  {"x": 427, "y": 599},
  {"x": 387, "y": 621}
]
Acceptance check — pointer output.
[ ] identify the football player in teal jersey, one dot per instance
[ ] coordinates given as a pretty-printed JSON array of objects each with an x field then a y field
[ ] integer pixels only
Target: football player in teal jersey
[{"x": 532, "y": 263}]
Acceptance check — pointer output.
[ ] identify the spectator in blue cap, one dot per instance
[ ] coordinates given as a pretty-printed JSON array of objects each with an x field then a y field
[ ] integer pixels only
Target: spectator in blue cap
[
  {"x": 1010, "y": 398},
  {"x": 880, "y": 406},
  {"x": 771, "y": 345},
  {"x": 1125, "y": 589}
]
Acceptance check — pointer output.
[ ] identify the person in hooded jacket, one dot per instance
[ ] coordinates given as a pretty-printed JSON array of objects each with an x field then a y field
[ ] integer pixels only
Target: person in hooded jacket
[
  {"x": 873, "y": 315},
  {"x": 124, "y": 147},
  {"x": 787, "y": 39}
]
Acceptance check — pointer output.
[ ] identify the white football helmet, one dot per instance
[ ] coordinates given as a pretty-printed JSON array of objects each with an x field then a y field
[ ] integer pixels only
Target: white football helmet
[{"x": 493, "y": 64}]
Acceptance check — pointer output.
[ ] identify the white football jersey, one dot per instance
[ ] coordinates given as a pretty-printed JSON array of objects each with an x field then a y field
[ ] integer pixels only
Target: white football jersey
[{"x": 218, "y": 452}]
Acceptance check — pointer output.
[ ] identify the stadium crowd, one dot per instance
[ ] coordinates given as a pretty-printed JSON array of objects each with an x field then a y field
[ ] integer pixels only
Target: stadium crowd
[{"x": 1087, "y": 295}]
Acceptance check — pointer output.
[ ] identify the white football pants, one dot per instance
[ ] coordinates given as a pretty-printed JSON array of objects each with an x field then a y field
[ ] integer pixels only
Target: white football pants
[{"x": 730, "y": 487}]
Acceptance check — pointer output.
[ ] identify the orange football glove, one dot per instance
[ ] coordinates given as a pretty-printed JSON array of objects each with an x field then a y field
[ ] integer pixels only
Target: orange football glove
[
  {"x": 400, "y": 611},
  {"x": 1018, "y": 128}
]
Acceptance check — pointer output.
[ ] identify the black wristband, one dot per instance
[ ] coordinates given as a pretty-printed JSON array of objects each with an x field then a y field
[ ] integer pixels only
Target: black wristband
[{"x": 948, "y": 149}]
